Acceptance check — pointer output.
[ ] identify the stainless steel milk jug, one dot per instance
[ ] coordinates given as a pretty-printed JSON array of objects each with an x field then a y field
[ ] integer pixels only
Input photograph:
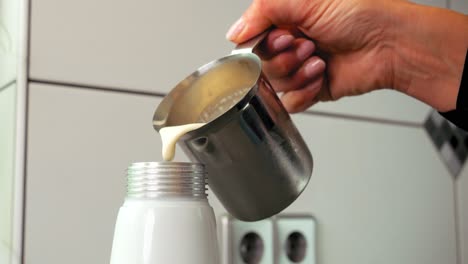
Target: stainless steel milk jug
[{"x": 257, "y": 162}]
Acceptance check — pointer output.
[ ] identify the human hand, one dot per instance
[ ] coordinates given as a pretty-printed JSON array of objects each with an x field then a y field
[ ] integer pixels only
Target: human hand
[
  {"x": 293, "y": 68},
  {"x": 363, "y": 45},
  {"x": 349, "y": 33}
]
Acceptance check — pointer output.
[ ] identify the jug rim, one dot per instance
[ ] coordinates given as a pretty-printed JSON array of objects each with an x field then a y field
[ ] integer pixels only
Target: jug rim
[{"x": 161, "y": 113}]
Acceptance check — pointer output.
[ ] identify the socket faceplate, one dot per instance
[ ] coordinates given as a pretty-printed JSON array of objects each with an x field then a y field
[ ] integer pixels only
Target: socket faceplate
[
  {"x": 247, "y": 242},
  {"x": 295, "y": 239},
  {"x": 284, "y": 239}
]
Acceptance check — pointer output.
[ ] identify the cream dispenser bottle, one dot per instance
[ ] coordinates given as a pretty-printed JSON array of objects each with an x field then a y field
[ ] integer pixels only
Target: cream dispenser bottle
[{"x": 165, "y": 217}]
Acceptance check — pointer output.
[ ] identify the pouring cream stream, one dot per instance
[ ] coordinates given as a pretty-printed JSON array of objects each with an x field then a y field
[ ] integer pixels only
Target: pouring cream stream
[{"x": 170, "y": 135}]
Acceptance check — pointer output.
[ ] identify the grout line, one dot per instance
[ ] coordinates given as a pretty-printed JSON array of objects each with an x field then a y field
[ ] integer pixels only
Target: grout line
[
  {"x": 25, "y": 169},
  {"x": 98, "y": 87},
  {"x": 159, "y": 94},
  {"x": 365, "y": 119},
  {"x": 8, "y": 84},
  {"x": 27, "y": 48}
]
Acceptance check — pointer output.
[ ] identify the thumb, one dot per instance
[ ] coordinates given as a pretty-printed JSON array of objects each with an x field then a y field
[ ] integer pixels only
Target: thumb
[{"x": 252, "y": 23}]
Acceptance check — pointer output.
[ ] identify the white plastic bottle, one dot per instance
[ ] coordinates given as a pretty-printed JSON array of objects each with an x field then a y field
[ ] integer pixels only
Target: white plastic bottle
[{"x": 166, "y": 218}]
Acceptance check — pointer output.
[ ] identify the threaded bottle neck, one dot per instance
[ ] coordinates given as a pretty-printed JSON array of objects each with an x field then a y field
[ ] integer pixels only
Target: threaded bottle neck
[{"x": 166, "y": 179}]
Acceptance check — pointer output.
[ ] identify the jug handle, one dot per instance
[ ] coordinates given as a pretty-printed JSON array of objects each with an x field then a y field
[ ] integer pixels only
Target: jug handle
[{"x": 249, "y": 45}]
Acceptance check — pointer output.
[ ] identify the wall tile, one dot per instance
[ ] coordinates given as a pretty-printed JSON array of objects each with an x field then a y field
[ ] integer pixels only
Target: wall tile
[
  {"x": 7, "y": 154},
  {"x": 140, "y": 45},
  {"x": 462, "y": 202},
  {"x": 80, "y": 143}
]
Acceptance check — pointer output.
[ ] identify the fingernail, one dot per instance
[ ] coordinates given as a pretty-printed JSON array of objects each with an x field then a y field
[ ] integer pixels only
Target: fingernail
[
  {"x": 282, "y": 42},
  {"x": 314, "y": 67},
  {"x": 305, "y": 50},
  {"x": 235, "y": 29}
]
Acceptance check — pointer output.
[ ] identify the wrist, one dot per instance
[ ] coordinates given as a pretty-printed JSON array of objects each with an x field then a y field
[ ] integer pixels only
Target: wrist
[{"x": 428, "y": 51}]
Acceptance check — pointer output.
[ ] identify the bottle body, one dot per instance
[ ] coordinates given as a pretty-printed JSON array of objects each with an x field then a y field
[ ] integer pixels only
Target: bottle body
[
  {"x": 166, "y": 217},
  {"x": 171, "y": 230}
]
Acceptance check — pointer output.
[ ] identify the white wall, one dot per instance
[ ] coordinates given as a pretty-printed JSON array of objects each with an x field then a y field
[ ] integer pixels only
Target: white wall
[
  {"x": 9, "y": 37},
  {"x": 9, "y": 40},
  {"x": 379, "y": 190},
  {"x": 7, "y": 139},
  {"x": 462, "y": 203}
]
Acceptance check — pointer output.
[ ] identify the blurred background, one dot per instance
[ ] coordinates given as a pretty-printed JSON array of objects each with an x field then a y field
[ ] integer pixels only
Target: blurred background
[{"x": 80, "y": 80}]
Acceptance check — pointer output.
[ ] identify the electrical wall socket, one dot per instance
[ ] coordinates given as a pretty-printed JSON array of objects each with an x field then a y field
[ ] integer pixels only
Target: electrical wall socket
[
  {"x": 295, "y": 239},
  {"x": 284, "y": 239},
  {"x": 247, "y": 242}
]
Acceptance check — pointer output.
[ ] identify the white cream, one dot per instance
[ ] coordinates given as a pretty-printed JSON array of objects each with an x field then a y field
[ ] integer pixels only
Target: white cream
[{"x": 170, "y": 135}]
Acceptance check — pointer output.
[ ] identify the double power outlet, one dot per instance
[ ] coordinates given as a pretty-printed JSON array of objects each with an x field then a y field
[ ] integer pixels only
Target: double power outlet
[{"x": 283, "y": 239}]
